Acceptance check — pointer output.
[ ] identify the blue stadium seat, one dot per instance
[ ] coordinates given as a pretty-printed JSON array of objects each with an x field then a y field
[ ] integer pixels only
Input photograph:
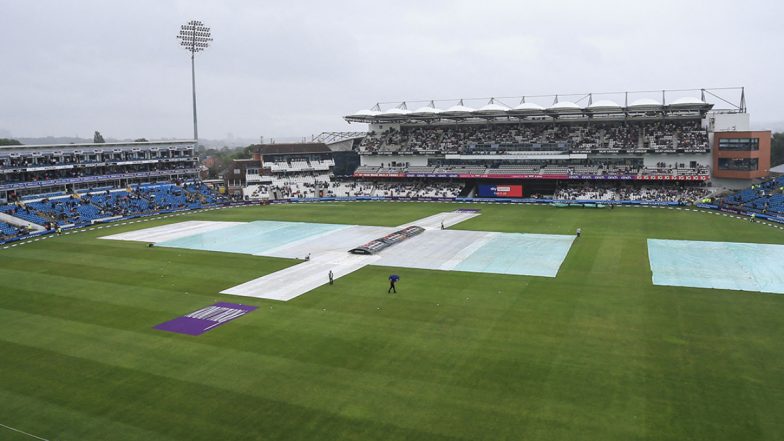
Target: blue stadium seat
[{"x": 143, "y": 200}]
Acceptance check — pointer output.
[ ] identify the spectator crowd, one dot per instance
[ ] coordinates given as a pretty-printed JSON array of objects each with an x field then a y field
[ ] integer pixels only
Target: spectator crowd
[{"x": 479, "y": 138}]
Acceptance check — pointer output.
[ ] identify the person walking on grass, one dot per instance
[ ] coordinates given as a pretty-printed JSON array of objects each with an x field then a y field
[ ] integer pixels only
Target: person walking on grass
[
  {"x": 392, "y": 282},
  {"x": 331, "y": 277},
  {"x": 579, "y": 232}
]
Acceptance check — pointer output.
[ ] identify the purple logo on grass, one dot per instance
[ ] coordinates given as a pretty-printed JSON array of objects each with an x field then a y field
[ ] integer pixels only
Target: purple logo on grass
[{"x": 205, "y": 319}]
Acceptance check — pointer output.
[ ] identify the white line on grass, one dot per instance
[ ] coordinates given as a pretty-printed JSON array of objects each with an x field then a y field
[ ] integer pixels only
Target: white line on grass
[{"x": 23, "y": 432}]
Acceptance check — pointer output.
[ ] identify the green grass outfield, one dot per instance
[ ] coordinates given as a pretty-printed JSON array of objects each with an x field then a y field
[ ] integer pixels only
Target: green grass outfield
[{"x": 597, "y": 353}]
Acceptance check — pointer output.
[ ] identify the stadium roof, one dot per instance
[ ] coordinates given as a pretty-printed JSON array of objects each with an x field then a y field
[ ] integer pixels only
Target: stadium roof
[
  {"x": 395, "y": 112},
  {"x": 492, "y": 108},
  {"x": 335, "y": 137},
  {"x": 564, "y": 106},
  {"x": 458, "y": 110},
  {"x": 367, "y": 112},
  {"x": 429, "y": 110},
  {"x": 527, "y": 108},
  {"x": 604, "y": 104},
  {"x": 645, "y": 103},
  {"x": 687, "y": 101},
  {"x": 582, "y": 106}
]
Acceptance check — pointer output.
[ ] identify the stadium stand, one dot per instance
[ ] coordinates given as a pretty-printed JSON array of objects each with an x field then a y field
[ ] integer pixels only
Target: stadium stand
[
  {"x": 763, "y": 198},
  {"x": 63, "y": 185},
  {"x": 8, "y": 231},
  {"x": 39, "y": 171},
  {"x": 622, "y": 191},
  {"x": 86, "y": 208},
  {"x": 604, "y": 137}
]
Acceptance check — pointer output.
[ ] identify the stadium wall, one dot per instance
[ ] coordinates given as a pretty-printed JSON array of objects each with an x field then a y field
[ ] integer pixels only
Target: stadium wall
[{"x": 762, "y": 155}]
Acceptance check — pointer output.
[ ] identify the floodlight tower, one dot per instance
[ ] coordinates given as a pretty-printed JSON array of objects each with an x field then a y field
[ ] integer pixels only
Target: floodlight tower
[{"x": 194, "y": 37}]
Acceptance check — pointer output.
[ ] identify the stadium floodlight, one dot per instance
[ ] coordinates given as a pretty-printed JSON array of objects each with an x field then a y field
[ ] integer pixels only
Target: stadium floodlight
[{"x": 194, "y": 37}]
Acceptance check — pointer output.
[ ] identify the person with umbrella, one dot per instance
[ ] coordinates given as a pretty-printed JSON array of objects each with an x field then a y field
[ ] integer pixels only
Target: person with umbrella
[{"x": 392, "y": 281}]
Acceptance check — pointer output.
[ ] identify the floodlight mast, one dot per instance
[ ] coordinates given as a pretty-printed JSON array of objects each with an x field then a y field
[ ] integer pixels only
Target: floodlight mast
[{"x": 194, "y": 37}]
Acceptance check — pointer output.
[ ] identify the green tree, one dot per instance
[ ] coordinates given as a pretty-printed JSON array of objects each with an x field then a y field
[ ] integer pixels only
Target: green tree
[
  {"x": 220, "y": 159},
  {"x": 8, "y": 141},
  {"x": 98, "y": 138}
]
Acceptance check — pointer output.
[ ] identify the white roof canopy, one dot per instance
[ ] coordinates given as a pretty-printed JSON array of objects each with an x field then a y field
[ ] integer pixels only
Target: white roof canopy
[
  {"x": 366, "y": 112},
  {"x": 492, "y": 108},
  {"x": 583, "y": 106},
  {"x": 527, "y": 107},
  {"x": 562, "y": 106},
  {"x": 395, "y": 111},
  {"x": 604, "y": 104},
  {"x": 645, "y": 103},
  {"x": 458, "y": 109},
  {"x": 427, "y": 110},
  {"x": 688, "y": 101},
  {"x": 430, "y": 110}
]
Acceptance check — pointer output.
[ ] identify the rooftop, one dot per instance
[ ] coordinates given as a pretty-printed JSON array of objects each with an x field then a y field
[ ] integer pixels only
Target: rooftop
[{"x": 675, "y": 101}]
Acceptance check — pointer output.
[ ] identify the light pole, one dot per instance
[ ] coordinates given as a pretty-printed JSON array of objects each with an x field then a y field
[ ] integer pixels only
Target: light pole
[{"x": 194, "y": 37}]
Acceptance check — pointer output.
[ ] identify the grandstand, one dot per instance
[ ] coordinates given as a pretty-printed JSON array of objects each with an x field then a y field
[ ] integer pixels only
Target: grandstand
[
  {"x": 79, "y": 209},
  {"x": 685, "y": 139},
  {"x": 57, "y": 169},
  {"x": 766, "y": 198},
  {"x": 279, "y": 171},
  {"x": 46, "y": 187},
  {"x": 563, "y": 151},
  {"x": 553, "y": 150}
]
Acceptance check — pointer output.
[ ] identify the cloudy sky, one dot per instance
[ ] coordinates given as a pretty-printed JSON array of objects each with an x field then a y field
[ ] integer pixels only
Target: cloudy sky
[{"x": 293, "y": 68}]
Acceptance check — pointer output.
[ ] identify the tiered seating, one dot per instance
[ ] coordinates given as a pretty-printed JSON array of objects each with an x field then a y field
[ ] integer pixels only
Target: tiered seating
[
  {"x": 256, "y": 192},
  {"x": 765, "y": 198},
  {"x": 608, "y": 191},
  {"x": 349, "y": 188},
  {"x": 86, "y": 208},
  {"x": 100, "y": 205},
  {"x": 510, "y": 168},
  {"x": 465, "y": 169},
  {"x": 420, "y": 169},
  {"x": 367, "y": 169},
  {"x": 590, "y": 168},
  {"x": 416, "y": 188},
  {"x": 500, "y": 138},
  {"x": 23, "y": 212},
  {"x": 554, "y": 170},
  {"x": 7, "y": 229}
]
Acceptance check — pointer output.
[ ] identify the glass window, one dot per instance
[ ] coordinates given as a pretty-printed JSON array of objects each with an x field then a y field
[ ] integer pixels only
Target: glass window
[
  {"x": 743, "y": 164},
  {"x": 739, "y": 144}
]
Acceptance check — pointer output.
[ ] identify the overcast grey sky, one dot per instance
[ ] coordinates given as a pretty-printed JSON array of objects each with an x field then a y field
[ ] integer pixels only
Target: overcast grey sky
[{"x": 293, "y": 68}]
